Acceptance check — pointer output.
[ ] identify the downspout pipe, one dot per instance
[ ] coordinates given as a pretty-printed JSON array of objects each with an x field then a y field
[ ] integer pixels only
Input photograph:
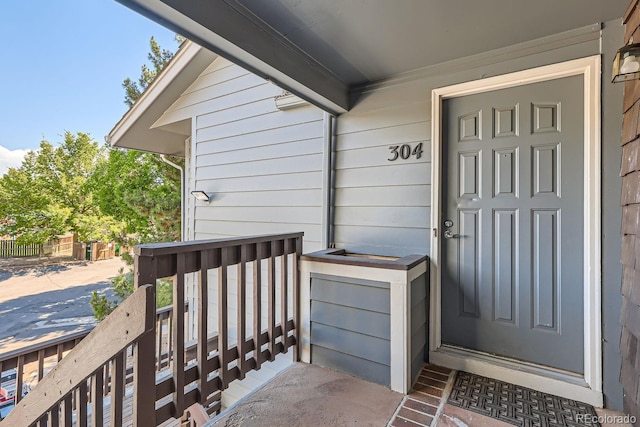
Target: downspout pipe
[
  {"x": 332, "y": 182},
  {"x": 182, "y": 195},
  {"x": 329, "y": 179}
]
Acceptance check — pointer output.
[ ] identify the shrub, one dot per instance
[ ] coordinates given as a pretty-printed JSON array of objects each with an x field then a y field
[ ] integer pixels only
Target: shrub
[{"x": 123, "y": 287}]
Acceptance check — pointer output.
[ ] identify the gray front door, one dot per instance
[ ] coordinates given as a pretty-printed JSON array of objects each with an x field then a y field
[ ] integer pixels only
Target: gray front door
[{"x": 512, "y": 282}]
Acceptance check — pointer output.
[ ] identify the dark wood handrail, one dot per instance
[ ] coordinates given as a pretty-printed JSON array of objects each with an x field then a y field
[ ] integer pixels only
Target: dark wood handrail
[{"x": 157, "y": 249}]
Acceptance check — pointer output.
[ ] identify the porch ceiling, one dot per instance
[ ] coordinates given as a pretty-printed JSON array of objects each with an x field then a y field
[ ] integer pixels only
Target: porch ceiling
[{"x": 321, "y": 49}]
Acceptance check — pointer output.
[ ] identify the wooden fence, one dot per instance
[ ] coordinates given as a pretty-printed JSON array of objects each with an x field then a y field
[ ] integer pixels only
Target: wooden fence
[
  {"x": 97, "y": 251},
  {"x": 56, "y": 247},
  {"x": 59, "y": 247},
  {"x": 10, "y": 249}
]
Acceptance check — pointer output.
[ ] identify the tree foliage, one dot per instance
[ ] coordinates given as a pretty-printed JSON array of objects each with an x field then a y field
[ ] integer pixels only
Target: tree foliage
[
  {"x": 50, "y": 194},
  {"x": 143, "y": 191},
  {"x": 158, "y": 58},
  {"x": 136, "y": 186}
]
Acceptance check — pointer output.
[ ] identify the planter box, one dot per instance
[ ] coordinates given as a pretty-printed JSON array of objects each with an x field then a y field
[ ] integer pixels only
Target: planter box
[{"x": 365, "y": 315}]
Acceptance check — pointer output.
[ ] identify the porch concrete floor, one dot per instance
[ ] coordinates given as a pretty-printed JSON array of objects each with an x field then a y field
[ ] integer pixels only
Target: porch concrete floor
[{"x": 309, "y": 395}]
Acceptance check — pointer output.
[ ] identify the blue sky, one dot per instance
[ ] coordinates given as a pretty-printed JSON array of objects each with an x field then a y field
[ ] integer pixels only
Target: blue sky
[{"x": 62, "y": 67}]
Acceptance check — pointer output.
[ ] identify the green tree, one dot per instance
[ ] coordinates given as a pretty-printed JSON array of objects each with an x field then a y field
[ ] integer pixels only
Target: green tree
[
  {"x": 159, "y": 58},
  {"x": 50, "y": 194},
  {"x": 141, "y": 189}
]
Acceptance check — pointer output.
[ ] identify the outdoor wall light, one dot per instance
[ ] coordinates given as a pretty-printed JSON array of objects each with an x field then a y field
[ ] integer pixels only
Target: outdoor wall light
[
  {"x": 625, "y": 65},
  {"x": 201, "y": 195}
]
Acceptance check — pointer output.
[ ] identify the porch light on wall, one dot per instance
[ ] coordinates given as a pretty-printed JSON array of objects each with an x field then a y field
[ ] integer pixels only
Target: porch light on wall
[
  {"x": 203, "y": 196},
  {"x": 626, "y": 65}
]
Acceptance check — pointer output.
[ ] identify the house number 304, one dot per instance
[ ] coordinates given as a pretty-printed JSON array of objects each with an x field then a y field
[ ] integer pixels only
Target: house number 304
[{"x": 404, "y": 151}]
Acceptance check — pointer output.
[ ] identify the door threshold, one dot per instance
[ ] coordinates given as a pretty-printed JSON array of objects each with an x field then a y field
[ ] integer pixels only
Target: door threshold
[{"x": 537, "y": 377}]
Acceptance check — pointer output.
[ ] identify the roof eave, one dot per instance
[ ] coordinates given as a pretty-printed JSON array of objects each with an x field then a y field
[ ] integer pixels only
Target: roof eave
[
  {"x": 231, "y": 30},
  {"x": 134, "y": 128}
]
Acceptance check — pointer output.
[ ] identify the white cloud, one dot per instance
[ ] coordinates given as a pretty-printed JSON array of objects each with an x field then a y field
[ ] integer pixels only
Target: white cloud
[{"x": 10, "y": 159}]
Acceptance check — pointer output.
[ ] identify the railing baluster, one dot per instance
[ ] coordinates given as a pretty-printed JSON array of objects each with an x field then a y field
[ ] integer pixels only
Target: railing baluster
[
  {"x": 223, "y": 333},
  {"x": 242, "y": 311},
  {"x": 44, "y": 421},
  {"x": 81, "y": 419},
  {"x": 54, "y": 416},
  {"x": 257, "y": 305},
  {"x": 144, "y": 349},
  {"x": 107, "y": 381},
  {"x": 178, "y": 335},
  {"x": 159, "y": 324},
  {"x": 67, "y": 412},
  {"x": 203, "y": 329},
  {"x": 19, "y": 379},
  {"x": 272, "y": 302},
  {"x": 296, "y": 299},
  {"x": 284, "y": 306},
  {"x": 170, "y": 348},
  {"x": 40, "y": 364},
  {"x": 117, "y": 388},
  {"x": 97, "y": 407}
]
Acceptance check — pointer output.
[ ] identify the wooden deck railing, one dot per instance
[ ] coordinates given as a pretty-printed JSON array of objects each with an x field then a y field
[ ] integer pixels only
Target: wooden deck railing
[
  {"x": 236, "y": 345},
  {"x": 82, "y": 372},
  {"x": 194, "y": 372},
  {"x": 37, "y": 359}
]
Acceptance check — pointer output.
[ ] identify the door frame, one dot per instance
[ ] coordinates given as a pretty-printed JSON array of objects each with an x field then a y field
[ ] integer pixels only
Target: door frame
[{"x": 587, "y": 388}]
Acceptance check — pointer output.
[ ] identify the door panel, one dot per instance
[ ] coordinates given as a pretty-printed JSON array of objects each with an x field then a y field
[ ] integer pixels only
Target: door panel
[{"x": 512, "y": 278}]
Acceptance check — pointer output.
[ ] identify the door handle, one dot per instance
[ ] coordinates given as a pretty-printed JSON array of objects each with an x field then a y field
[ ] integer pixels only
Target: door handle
[{"x": 449, "y": 235}]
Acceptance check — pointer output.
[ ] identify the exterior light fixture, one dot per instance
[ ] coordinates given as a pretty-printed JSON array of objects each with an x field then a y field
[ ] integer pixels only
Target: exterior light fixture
[
  {"x": 201, "y": 195},
  {"x": 626, "y": 65}
]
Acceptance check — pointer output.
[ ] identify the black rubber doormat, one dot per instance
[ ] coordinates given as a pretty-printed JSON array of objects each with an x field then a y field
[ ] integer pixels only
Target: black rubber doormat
[{"x": 517, "y": 405}]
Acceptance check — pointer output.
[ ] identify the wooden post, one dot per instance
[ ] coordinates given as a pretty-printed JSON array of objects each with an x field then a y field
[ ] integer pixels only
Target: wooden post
[
  {"x": 203, "y": 330},
  {"x": 97, "y": 409},
  {"x": 223, "y": 330},
  {"x": 296, "y": 299},
  {"x": 68, "y": 410},
  {"x": 117, "y": 388},
  {"x": 242, "y": 310},
  {"x": 81, "y": 404},
  {"x": 54, "y": 416},
  {"x": 284, "y": 306},
  {"x": 19, "y": 379},
  {"x": 272, "y": 302},
  {"x": 257, "y": 305},
  {"x": 40, "y": 364},
  {"x": 144, "y": 402},
  {"x": 178, "y": 335}
]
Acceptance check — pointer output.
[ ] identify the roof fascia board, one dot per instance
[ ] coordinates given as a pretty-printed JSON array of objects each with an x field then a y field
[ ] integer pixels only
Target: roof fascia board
[
  {"x": 182, "y": 58},
  {"x": 227, "y": 28}
]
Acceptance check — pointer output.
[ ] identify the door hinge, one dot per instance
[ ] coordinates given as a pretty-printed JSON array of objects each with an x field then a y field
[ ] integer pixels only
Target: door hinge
[{"x": 435, "y": 232}]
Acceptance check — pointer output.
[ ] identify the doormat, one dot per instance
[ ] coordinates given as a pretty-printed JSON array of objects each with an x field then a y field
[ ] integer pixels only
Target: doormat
[{"x": 517, "y": 405}]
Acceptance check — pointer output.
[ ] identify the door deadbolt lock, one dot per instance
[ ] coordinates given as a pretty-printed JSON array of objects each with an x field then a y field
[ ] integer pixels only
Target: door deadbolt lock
[{"x": 448, "y": 223}]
